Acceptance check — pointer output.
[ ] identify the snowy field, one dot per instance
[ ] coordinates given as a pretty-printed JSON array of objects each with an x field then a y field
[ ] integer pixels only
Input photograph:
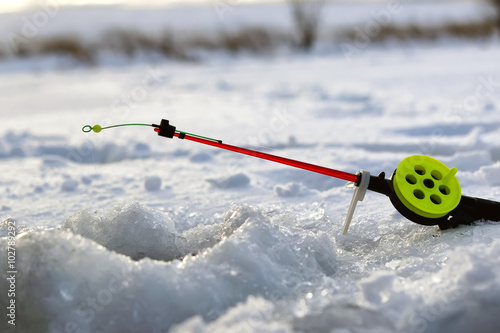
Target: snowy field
[{"x": 126, "y": 231}]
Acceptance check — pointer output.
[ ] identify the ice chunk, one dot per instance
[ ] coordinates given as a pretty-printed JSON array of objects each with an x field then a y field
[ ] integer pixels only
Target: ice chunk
[
  {"x": 343, "y": 319},
  {"x": 69, "y": 185},
  {"x": 465, "y": 295},
  {"x": 202, "y": 237},
  {"x": 232, "y": 181},
  {"x": 290, "y": 190},
  {"x": 133, "y": 230},
  {"x": 255, "y": 315},
  {"x": 10, "y": 227},
  {"x": 377, "y": 288}
]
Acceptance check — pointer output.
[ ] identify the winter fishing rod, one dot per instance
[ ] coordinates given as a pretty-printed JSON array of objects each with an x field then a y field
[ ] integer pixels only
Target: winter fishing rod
[{"x": 422, "y": 189}]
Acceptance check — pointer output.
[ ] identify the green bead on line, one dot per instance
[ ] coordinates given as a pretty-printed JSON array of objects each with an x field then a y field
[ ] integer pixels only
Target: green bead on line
[
  {"x": 87, "y": 128},
  {"x": 97, "y": 128}
]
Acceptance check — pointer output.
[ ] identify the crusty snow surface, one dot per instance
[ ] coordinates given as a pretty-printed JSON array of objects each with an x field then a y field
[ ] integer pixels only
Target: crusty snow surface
[{"x": 125, "y": 231}]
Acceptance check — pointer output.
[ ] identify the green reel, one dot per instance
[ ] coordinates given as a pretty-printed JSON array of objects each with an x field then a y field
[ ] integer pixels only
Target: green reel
[{"x": 426, "y": 186}]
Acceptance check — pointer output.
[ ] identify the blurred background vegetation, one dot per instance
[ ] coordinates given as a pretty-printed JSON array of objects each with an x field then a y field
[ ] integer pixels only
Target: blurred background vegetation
[{"x": 306, "y": 32}]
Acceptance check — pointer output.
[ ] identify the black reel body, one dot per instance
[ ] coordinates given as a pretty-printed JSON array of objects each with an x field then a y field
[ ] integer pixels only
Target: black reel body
[{"x": 437, "y": 198}]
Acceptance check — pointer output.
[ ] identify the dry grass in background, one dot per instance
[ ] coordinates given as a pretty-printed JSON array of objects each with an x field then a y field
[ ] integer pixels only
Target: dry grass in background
[
  {"x": 496, "y": 7},
  {"x": 409, "y": 33},
  {"x": 255, "y": 40}
]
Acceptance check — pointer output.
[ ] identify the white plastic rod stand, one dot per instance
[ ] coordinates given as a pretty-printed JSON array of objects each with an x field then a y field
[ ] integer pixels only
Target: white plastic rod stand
[{"x": 359, "y": 195}]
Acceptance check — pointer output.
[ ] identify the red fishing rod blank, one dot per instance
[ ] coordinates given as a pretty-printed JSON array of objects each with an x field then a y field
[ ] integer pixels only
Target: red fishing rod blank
[
  {"x": 165, "y": 129},
  {"x": 301, "y": 165}
]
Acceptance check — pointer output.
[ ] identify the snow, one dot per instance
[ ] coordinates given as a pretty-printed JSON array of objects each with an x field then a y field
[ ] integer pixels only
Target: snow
[
  {"x": 69, "y": 185},
  {"x": 290, "y": 190},
  {"x": 231, "y": 181},
  {"x": 152, "y": 183},
  {"x": 125, "y": 231},
  {"x": 121, "y": 229}
]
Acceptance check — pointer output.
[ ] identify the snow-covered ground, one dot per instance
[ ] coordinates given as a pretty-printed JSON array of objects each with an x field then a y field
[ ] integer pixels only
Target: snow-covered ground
[{"x": 260, "y": 243}]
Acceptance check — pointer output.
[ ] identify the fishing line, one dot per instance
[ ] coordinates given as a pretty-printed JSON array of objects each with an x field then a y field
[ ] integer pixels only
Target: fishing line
[{"x": 97, "y": 129}]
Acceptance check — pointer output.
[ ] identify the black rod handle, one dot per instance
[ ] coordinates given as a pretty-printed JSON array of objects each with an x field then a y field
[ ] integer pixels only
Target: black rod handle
[{"x": 470, "y": 210}]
